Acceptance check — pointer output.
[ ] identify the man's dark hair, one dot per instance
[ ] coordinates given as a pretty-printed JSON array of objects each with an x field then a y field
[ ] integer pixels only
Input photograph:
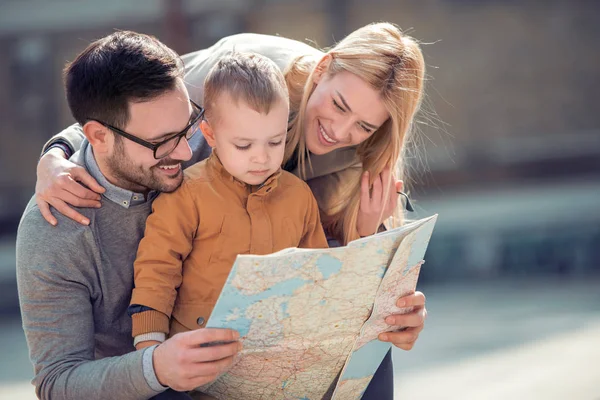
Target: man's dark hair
[{"x": 122, "y": 67}]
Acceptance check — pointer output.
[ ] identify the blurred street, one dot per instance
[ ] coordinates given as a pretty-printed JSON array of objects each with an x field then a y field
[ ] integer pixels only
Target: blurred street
[
  {"x": 513, "y": 339},
  {"x": 506, "y": 149},
  {"x": 503, "y": 340}
]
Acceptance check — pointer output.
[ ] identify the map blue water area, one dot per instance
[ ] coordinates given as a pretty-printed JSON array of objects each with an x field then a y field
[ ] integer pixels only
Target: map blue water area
[
  {"x": 366, "y": 360},
  {"x": 232, "y": 299},
  {"x": 329, "y": 265},
  {"x": 284, "y": 311},
  {"x": 241, "y": 325}
]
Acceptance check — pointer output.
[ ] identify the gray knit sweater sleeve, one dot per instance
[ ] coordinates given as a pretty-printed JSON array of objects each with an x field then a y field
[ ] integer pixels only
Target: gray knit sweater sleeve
[{"x": 58, "y": 319}]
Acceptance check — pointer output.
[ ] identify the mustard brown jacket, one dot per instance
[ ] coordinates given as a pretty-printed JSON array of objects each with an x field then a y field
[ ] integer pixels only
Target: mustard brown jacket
[{"x": 195, "y": 233}]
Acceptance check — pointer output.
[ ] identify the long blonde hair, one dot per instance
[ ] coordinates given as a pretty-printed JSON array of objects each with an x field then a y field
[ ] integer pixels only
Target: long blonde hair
[{"x": 392, "y": 64}]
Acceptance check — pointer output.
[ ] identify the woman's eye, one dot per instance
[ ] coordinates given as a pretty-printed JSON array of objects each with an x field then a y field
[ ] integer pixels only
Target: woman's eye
[
  {"x": 364, "y": 128},
  {"x": 246, "y": 147},
  {"x": 275, "y": 144},
  {"x": 335, "y": 103}
]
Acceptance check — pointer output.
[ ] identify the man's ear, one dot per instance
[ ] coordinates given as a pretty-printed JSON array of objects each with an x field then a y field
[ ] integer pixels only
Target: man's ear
[
  {"x": 321, "y": 68},
  {"x": 98, "y": 136},
  {"x": 208, "y": 133}
]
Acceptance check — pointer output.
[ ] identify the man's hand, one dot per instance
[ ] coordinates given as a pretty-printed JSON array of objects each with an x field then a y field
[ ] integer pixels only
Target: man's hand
[
  {"x": 182, "y": 364},
  {"x": 412, "y": 323}
]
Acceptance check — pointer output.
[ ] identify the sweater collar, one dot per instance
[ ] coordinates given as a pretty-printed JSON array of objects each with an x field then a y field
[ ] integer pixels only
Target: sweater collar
[{"x": 123, "y": 197}]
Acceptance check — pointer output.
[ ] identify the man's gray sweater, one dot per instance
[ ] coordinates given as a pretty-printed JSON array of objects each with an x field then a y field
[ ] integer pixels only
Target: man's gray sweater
[{"x": 75, "y": 285}]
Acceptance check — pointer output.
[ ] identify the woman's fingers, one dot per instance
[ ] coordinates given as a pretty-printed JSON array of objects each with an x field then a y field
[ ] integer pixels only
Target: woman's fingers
[
  {"x": 404, "y": 339},
  {"x": 77, "y": 201},
  {"x": 67, "y": 211},
  {"x": 416, "y": 299},
  {"x": 365, "y": 199},
  {"x": 412, "y": 319},
  {"x": 79, "y": 174},
  {"x": 377, "y": 193},
  {"x": 393, "y": 194},
  {"x": 385, "y": 177},
  {"x": 45, "y": 210},
  {"x": 58, "y": 186},
  {"x": 377, "y": 201}
]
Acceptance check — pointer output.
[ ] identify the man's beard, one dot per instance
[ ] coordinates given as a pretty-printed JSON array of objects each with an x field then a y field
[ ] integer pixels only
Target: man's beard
[{"x": 139, "y": 179}]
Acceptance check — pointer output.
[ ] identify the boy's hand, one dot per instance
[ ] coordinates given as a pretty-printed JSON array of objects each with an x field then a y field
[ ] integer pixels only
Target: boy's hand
[
  {"x": 182, "y": 363},
  {"x": 146, "y": 343}
]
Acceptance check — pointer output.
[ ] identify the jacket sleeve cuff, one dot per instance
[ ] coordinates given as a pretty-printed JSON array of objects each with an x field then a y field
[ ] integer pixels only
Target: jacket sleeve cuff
[
  {"x": 59, "y": 144},
  {"x": 72, "y": 137},
  {"x": 152, "y": 336},
  {"x": 148, "y": 322}
]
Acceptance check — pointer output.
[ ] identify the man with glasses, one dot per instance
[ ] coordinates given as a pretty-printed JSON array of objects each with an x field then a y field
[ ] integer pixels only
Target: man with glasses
[
  {"x": 75, "y": 281},
  {"x": 164, "y": 147}
]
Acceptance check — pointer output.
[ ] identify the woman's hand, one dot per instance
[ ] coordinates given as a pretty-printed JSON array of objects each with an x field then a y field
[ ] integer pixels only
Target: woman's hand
[
  {"x": 373, "y": 201},
  {"x": 411, "y": 324},
  {"x": 59, "y": 185}
]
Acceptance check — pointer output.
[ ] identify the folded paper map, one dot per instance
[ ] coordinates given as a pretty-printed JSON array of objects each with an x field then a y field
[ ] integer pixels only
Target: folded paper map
[{"x": 309, "y": 318}]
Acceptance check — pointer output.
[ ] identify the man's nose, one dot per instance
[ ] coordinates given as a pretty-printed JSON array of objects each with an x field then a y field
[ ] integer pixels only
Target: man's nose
[{"x": 183, "y": 151}]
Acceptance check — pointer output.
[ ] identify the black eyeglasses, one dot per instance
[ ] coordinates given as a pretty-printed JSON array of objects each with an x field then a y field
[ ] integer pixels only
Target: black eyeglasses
[{"x": 167, "y": 146}]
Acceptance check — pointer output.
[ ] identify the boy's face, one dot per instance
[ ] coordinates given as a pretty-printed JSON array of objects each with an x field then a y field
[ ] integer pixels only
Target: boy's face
[{"x": 249, "y": 144}]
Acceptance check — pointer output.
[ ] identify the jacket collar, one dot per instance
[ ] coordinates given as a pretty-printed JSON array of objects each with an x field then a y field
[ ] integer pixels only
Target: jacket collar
[{"x": 244, "y": 189}]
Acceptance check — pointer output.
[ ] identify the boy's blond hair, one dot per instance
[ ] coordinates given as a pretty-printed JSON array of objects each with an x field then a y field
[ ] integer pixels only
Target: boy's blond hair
[{"x": 248, "y": 77}]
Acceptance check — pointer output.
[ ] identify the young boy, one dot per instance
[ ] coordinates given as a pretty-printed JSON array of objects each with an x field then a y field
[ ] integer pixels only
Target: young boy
[{"x": 238, "y": 201}]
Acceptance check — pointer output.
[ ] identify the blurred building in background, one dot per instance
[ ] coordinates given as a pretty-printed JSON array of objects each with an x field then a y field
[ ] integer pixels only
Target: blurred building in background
[
  {"x": 507, "y": 151},
  {"x": 508, "y": 143}
]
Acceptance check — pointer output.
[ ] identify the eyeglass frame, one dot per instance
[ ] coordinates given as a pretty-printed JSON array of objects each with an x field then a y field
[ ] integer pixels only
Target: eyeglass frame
[{"x": 155, "y": 146}]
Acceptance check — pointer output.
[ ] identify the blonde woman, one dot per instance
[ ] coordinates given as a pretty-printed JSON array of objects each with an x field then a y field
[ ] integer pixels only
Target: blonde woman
[{"x": 351, "y": 112}]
